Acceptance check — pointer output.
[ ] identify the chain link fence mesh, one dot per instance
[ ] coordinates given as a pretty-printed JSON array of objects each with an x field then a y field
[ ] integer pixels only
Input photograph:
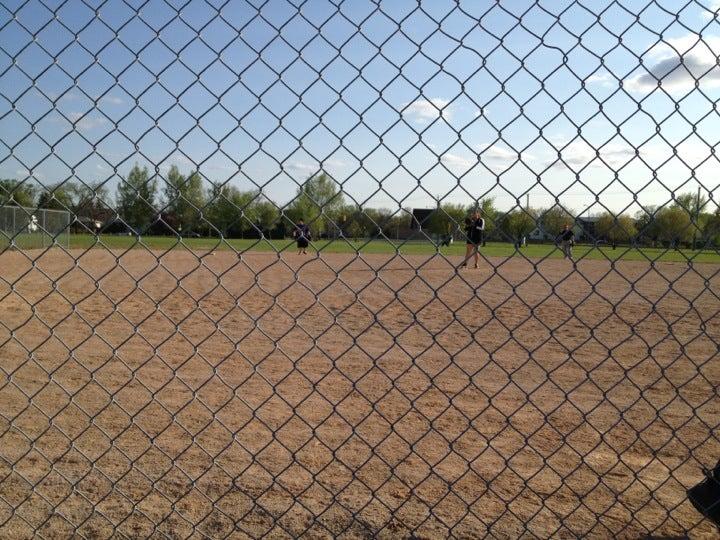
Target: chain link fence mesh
[
  {"x": 31, "y": 228},
  {"x": 173, "y": 368}
]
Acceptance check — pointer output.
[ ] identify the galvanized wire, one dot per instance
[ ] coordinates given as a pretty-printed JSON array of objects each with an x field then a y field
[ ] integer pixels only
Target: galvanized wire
[{"x": 343, "y": 395}]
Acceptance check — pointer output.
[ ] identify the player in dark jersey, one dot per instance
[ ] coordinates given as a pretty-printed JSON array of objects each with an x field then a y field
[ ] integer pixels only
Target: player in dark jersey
[
  {"x": 303, "y": 236},
  {"x": 566, "y": 240},
  {"x": 705, "y": 496},
  {"x": 474, "y": 232}
]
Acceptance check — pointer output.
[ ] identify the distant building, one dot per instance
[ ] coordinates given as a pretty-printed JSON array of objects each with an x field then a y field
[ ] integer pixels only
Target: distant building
[
  {"x": 587, "y": 225},
  {"x": 583, "y": 227},
  {"x": 540, "y": 235}
]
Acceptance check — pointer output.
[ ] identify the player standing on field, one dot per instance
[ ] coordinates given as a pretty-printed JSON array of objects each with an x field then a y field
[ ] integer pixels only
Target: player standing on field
[
  {"x": 474, "y": 232},
  {"x": 566, "y": 240},
  {"x": 302, "y": 235}
]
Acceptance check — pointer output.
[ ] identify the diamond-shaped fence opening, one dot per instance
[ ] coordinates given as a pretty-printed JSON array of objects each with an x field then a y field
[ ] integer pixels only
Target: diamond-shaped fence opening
[{"x": 359, "y": 269}]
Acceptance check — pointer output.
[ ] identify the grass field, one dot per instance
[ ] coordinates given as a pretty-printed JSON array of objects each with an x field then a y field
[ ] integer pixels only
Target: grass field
[{"x": 413, "y": 247}]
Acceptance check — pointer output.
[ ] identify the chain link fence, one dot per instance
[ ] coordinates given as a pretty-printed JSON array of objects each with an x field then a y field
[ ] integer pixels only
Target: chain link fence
[
  {"x": 30, "y": 228},
  {"x": 174, "y": 366}
]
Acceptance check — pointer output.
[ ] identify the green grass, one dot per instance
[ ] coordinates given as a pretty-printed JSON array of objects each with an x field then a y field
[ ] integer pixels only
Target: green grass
[
  {"x": 415, "y": 247},
  {"x": 493, "y": 249}
]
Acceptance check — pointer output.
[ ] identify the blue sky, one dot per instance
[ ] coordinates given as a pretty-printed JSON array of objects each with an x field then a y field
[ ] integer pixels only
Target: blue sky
[{"x": 400, "y": 103}]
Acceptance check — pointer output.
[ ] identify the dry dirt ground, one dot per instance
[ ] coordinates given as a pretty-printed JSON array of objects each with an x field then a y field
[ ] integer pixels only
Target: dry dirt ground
[{"x": 203, "y": 395}]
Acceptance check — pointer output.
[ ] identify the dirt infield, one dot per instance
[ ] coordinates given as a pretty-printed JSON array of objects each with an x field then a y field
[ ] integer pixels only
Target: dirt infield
[{"x": 183, "y": 396}]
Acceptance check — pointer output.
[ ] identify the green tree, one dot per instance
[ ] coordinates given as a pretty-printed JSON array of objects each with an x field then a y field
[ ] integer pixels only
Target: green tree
[
  {"x": 691, "y": 203},
  {"x": 380, "y": 222},
  {"x": 553, "y": 220},
  {"x": 447, "y": 218},
  {"x": 354, "y": 222},
  {"x": 136, "y": 199},
  {"x": 92, "y": 203},
  {"x": 16, "y": 193},
  {"x": 234, "y": 213},
  {"x": 265, "y": 212},
  {"x": 57, "y": 197},
  {"x": 711, "y": 229},
  {"x": 620, "y": 229},
  {"x": 398, "y": 225},
  {"x": 184, "y": 197},
  {"x": 519, "y": 223},
  {"x": 645, "y": 225},
  {"x": 695, "y": 204},
  {"x": 357, "y": 229},
  {"x": 318, "y": 202},
  {"x": 673, "y": 225},
  {"x": 490, "y": 214}
]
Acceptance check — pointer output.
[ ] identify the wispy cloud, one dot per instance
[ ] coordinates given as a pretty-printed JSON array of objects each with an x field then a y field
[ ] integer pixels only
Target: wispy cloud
[
  {"x": 496, "y": 152},
  {"x": 679, "y": 63},
  {"x": 579, "y": 154},
  {"x": 113, "y": 100},
  {"x": 691, "y": 152},
  {"x": 74, "y": 96},
  {"x": 70, "y": 96},
  {"x": 23, "y": 173},
  {"x": 180, "y": 158},
  {"x": 334, "y": 163},
  {"x": 712, "y": 6},
  {"x": 87, "y": 123},
  {"x": 603, "y": 79},
  {"x": 222, "y": 167},
  {"x": 455, "y": 161},
  {"x": 302, "y": 167},
  {"x": 424, "y": 111}
]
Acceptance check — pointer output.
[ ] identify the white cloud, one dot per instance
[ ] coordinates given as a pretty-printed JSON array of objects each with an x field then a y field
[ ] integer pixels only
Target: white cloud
[
  {"x": 74, "y": 96},
  {"x": 603, "y": 79},
  {"x": 181, "y": 158},
  {"x": 86, "y": 123},
  {"x": 455, "y": 161},
  {"x": 678, "y": 63},
  {"x": 302, "y": 167},
  {"x": 579, "y": 154},
  {"x": 558, "y": 138},
  {"x": 423, "y": 111},
  {"x": 500, "y": 153},
  {"x": 113, "y": 100},
  {"x": 70, "y": 96},
  {"x": 691, "y": 152},
  {"x": 334, "y": 163},
  {"x": 223, "y": 168},
  {"x": 25, "y": 173},
  {"x": 713, "y": 5}
]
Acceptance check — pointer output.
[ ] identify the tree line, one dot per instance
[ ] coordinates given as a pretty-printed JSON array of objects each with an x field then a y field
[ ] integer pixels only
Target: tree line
[
  {"x": 178, "y": 203},
  {"x": 685, "y": 221}
]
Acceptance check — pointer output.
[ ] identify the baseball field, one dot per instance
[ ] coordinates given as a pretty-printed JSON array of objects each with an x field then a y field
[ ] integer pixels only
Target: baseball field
[{"x": 206, "y": 394}]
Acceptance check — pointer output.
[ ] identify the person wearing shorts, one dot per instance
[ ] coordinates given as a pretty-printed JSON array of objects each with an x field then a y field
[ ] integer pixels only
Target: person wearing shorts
[
  {"x": 474, "y": 232},
  {"x": 302, "y": 236},
  {"x": 566, "y": 241}
]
